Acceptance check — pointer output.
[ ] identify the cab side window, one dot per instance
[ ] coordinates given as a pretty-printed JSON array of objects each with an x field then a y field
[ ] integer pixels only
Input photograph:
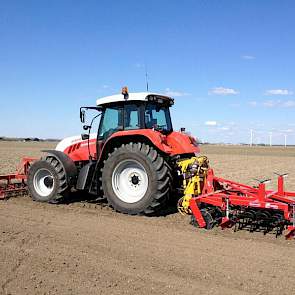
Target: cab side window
[
  {"x": 131, "y": 117},
  {"x": 157, "y": 117},
  {"x": 111, "y": 122}
]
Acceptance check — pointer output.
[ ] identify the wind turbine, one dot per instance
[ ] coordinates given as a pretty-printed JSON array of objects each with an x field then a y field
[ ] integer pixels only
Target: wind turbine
[{"x": 270, "y": 138}]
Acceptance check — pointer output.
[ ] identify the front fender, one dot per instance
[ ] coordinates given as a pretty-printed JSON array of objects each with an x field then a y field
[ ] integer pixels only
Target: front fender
[{"x": 67, "y": 163}]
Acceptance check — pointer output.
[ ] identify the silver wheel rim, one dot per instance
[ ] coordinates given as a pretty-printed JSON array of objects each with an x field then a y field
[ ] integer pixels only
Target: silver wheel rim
[
  {"x": 43, "y": 182},
  {"x": 129, "y": 181}
]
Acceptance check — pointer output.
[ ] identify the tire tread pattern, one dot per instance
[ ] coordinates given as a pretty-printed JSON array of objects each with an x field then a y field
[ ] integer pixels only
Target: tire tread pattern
[{"x": 60, "y": 172}]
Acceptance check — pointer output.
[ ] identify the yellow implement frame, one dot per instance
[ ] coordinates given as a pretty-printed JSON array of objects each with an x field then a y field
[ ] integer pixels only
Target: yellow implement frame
[{"x": 194, "y": 171}]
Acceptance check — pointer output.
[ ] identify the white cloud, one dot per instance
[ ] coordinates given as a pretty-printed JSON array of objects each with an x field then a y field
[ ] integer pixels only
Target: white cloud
[
  {"x": 105, "y": 86},
  {"x": 278, "y": 92},
  {"x": 253, "y": 103},
  {"x": 224, "y": 128},
  {"x": 289, "y": 104},
  {"x": 271, "y": 103},
  {"x": 211, "y": 123},
  {"x": 248, "y": 57},
  {"x": 173, "y": 93},
  {"x": 275, "y": 103},
  {"x": 223, "y": 91}
]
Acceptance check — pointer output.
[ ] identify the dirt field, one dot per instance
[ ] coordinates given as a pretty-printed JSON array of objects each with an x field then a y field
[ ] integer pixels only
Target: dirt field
[{"x": 84, "y": 248}]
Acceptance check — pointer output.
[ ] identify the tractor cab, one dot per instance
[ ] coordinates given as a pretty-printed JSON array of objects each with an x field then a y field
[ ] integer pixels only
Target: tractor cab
[{"x": 134, "y": 111}]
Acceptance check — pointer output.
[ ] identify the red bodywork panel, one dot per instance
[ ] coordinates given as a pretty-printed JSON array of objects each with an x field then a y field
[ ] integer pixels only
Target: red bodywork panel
[
  {"x": 175, "y": 143},
  {"x": 79, "y": 151}
]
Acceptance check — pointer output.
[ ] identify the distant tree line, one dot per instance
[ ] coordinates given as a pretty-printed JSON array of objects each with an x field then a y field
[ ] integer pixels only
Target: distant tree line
[{"x": 26, "y": 139}]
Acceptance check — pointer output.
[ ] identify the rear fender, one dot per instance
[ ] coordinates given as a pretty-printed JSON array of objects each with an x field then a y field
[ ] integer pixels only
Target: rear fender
[
  {"x": 123, "y": 137},
  {"x": 67, "y": 163},
  {"x": 175, "y": 143}
]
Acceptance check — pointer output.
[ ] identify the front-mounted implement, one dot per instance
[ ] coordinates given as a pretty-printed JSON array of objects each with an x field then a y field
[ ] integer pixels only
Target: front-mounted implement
[
  {"x": 214, "y": 201},
  {"x": 15, "y": 184}
]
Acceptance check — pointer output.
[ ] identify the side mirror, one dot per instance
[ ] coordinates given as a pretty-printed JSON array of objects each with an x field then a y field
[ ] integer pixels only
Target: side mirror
[
  {"x": 82, "y": 116},
  {"x": 86, "y": 127},
  {"x": 84, "y": 136}
]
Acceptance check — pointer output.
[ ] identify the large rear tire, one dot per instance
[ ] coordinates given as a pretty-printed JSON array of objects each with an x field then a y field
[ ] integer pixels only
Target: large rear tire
[
  {"x": 136, "y": 180},
  {"x": 47, "y": 181}
]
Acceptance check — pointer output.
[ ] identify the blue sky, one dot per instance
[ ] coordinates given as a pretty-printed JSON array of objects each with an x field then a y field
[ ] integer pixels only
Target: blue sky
[{"x": 229, "y": 64}]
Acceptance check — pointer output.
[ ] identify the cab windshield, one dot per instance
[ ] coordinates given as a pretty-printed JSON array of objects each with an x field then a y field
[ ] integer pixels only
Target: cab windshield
[{"x": 158, "y": 117}]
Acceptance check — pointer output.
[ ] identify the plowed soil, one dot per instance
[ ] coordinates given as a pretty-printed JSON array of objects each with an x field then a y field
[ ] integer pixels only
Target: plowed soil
[{"x": 86, "y": 248}]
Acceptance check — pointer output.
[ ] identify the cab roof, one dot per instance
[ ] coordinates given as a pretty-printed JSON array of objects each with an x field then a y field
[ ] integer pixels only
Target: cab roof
[{"x": 135, "y": 96}]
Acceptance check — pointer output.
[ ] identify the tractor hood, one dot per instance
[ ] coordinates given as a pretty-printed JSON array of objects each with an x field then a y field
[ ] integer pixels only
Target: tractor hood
[
  {"x": 69, "y": 141},
  {"x": 182, "y": 143},
  {"x": 77, "y": 148}
]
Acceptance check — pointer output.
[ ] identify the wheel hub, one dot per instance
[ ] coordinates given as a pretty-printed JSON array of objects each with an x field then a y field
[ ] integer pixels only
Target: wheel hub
[
  {"x": 43, "y": 182},
  {"x": 134, "y": 179},
  {"x": 130, "y": 181},
  {"x": 48, "y": 181}
]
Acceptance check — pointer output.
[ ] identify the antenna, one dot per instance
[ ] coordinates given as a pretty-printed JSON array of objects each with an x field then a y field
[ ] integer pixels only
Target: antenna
[{"x": 146, "y": 78}]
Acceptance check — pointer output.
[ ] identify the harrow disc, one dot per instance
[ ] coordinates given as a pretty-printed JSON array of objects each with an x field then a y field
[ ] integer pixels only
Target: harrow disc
[
  {"x": 210, "y": 222},
  {"x": 182, "y": 209}
]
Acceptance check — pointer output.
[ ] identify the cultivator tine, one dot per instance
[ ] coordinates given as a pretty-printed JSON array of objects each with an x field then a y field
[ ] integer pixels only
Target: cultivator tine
[
  {"x": 10, "y": 189},
  {"x": 244, "y": 219},
  {"x": 260, "y": 220},
  {"x": 12, "y": 185}
]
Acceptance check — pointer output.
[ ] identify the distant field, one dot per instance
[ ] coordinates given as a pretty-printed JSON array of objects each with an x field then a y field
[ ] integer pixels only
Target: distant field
[
  {"x": 244, "y": 163},
  {"x": 12, "y": 151}
]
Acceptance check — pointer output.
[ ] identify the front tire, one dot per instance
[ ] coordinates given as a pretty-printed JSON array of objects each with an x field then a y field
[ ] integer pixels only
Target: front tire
[
  {"x": 47, "y": 181},
  {"x": 136, "y": 180}
]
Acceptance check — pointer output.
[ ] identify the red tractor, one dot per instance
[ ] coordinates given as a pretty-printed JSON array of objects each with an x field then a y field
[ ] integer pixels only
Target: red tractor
[{"x": 131, "y": 160}]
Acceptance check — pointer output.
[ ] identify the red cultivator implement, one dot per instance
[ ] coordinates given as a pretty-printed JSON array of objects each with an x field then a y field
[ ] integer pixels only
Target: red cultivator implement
[
  {"x": 228, "y": 203},
  {"x": 15, "y": 184}
]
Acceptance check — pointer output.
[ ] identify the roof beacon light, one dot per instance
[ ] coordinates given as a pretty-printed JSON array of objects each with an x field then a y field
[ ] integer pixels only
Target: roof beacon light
[{"x": 125, "y": 92}]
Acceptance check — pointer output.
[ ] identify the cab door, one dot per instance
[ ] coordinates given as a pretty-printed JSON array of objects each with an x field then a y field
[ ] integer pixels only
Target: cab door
[{"x": 111, "y": 122}]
